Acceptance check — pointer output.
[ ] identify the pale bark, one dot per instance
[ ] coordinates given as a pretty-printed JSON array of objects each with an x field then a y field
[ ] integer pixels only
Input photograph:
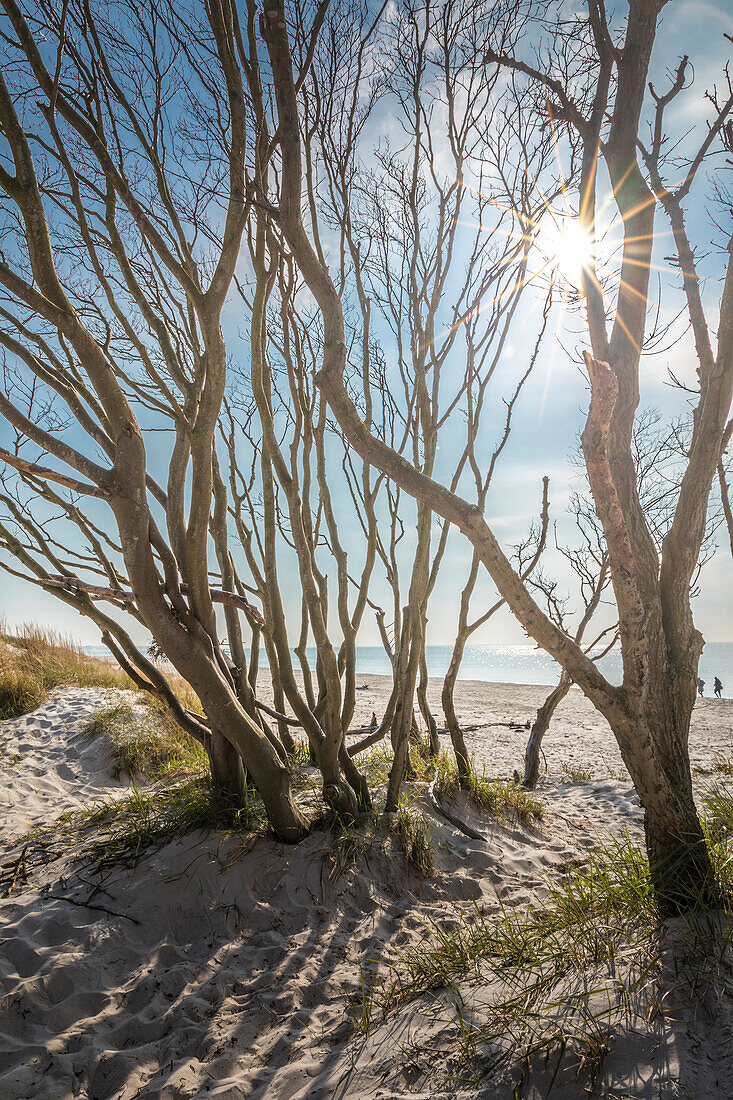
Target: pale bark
[{"x": 539, "y": 729}]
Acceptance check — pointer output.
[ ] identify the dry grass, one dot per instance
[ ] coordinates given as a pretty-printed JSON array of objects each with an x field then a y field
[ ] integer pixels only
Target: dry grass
[{"x": 34, "y": 661}]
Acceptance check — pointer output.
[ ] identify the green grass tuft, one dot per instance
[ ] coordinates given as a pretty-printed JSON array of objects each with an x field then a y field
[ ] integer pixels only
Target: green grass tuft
[
  {"x": 576, "y": 774},
  {"x": 599, "y": 919},
  {"x": 412, "y": 830},
  {"x": 122, "y": 828},
  {"x": 718, "y": 825},
  {"x": 497, "y": 797},
  {"x": 146, "y": 741},
  {"x": 300, "y": 757},
  {"x": 350, "y": 842}
]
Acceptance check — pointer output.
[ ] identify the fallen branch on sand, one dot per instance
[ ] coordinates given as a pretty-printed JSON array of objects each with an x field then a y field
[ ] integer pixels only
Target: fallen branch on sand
[
  {"x": 90, "y": 905},
  {"x": 455, "y": 821}
]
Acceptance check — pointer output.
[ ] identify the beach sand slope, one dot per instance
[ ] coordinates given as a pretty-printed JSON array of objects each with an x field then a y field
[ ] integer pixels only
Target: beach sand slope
[{"x": 214, "y": 967}]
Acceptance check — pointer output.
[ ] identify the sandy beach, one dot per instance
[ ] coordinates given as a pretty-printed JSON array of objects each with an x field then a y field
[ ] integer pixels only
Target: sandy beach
[{"x": 213, "y": 967}]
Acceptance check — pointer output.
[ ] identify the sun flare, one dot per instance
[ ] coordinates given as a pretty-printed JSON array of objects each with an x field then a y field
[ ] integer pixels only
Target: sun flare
[{"x": 568, "y": 249}]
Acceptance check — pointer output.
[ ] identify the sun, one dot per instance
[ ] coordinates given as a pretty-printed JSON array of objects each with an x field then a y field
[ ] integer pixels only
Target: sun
[{"x": 567, "y": 249}]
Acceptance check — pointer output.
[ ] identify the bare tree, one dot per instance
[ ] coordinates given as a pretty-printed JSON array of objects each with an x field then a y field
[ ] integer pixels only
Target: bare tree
[
  {"x": 659, "y": 453},
  {"x": 440, "y": 268},
  {"x": 650, "y": 713},
  {"x": 140, "y": 262},
  {"x": 723, "y": 484},
  {"x": 123, "y": 255},
  {"x": 589, "y": 562}
]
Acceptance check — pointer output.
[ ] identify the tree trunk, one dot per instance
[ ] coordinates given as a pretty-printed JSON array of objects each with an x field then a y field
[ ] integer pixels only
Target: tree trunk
[
  {"x": 681, "y": 870},
  {"x": 460, "y": 749},
  {"x": 539, "y": 729},
  {"x": 356, "y": 779},
  {"x": 422, "y": 699},
  {"x": 654, "y": 745},
  {"x": 650, "y": 714},
  {"x": 227, "y": 768}
]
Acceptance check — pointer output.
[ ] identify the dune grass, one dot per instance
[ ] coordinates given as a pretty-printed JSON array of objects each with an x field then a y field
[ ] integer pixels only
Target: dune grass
[
  {"x": 411, "y": 827},
  {"x": 564, "y": 971},
  {"x": 353, "y": 841},
  {"x": 146, "y": 741},
  {"x": 117, "y": 829},
  {"x": 577, "y": 774},
  {"x": 497, "y": 797},
  {"x": 718, "y": 818},
  {"x": 34, "y": 661}
]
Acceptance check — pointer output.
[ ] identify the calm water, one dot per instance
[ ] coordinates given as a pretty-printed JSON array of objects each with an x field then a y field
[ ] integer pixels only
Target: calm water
[{"x": 522, "y": 664}]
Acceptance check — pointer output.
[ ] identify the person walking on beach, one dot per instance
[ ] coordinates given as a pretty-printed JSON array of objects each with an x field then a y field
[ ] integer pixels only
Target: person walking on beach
[
  {"x": 700, "y": 686},
  {"x": 717, "y": 687}
]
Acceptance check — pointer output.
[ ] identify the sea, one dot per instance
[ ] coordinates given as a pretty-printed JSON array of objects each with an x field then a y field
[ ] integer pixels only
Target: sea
[{"x": 519, "y": 664}]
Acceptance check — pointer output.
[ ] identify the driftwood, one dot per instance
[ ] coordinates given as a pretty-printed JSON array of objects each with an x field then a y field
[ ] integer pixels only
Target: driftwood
[{"x": 439, "y": 808}]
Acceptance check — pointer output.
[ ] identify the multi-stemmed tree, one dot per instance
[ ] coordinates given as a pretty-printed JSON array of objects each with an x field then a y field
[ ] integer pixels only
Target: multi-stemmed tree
[
  {"x": 136, "y": 204},
  {"x": 595, "y": 84},
  {"x": 137, "y": 154},
  {"x": 125, "y": 178}
]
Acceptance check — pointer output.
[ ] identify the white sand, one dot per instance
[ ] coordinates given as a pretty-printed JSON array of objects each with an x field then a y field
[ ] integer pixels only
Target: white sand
[{"x": 229, "y": 969}]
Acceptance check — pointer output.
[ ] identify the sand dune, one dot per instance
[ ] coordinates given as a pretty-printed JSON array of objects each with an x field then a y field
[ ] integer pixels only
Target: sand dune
[{"x": 213, "y": 968}]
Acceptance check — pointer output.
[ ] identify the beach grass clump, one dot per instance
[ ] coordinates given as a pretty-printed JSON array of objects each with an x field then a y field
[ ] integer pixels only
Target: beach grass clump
[
  {"x": 353, "y": 840},
  {"x": 116, "y": 829},
  {"x": 20, "y": 690},
  {"x": 718, "y": 826},
  {"x": 34, "y": 661},
  {"x": 300, "y": 757},
  {"x": 376, "y": 763},
  {"x": 146, "y": 741},
  {"x": 586, "y": 916},
  {"x": 723, "y": 765},
  {"x": 498, "y": 797},
  {"x": 350, "y": 841},
  {"x": 411, "y": 827},
  {"x": 576, "y": 773}
]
